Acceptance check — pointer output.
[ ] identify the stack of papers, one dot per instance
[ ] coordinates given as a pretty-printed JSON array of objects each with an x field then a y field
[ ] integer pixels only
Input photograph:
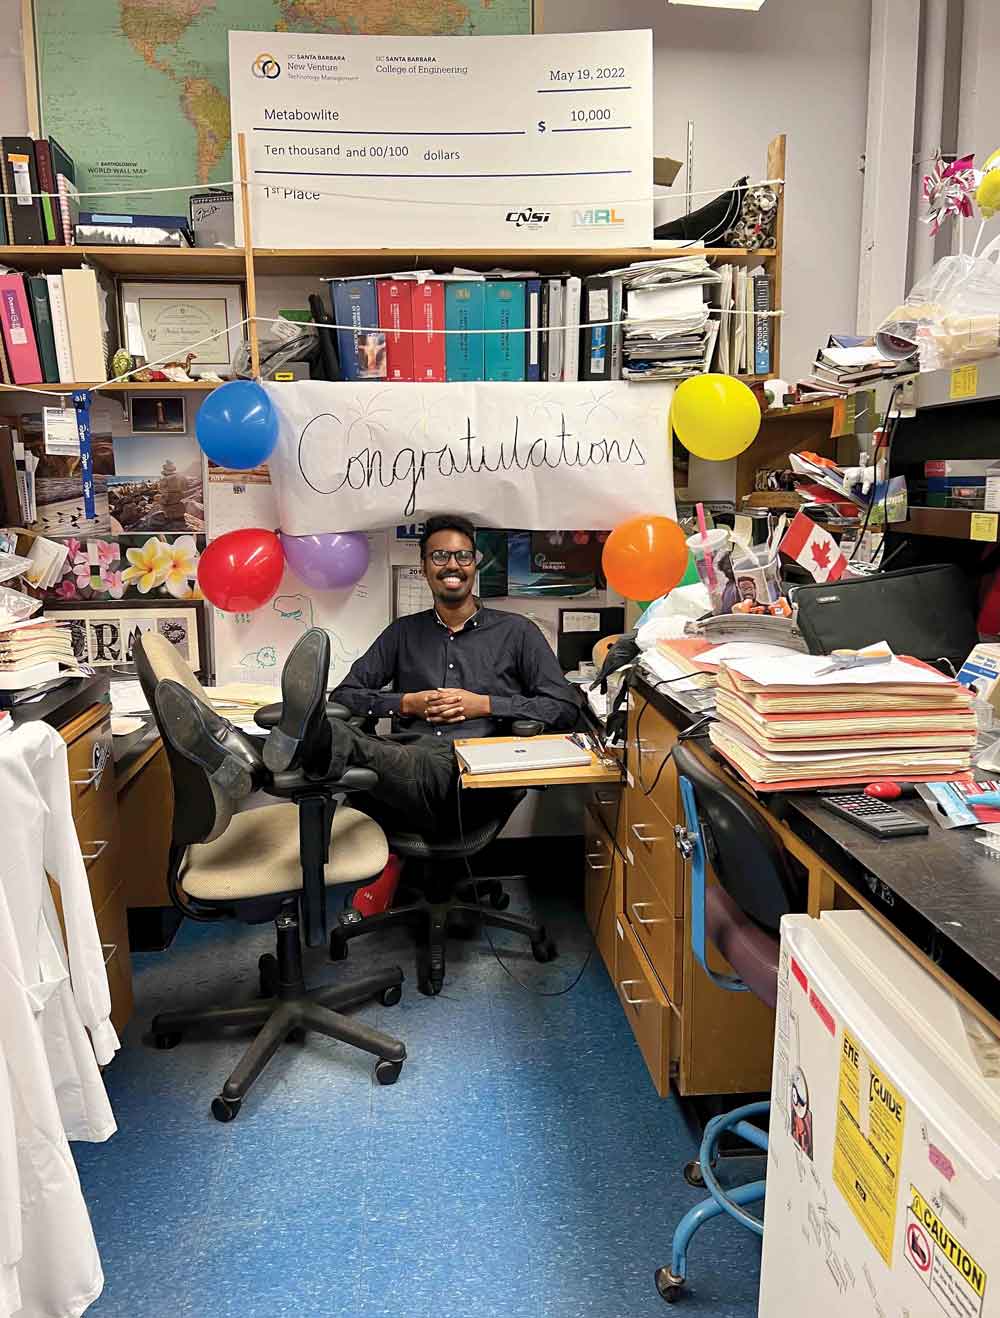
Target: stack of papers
[
  {"x": 785, "y": 723},
  {"x": 762, "y": 627},
  {"x": 34, "y": 651},
  {"x": 668, "y": 330}
]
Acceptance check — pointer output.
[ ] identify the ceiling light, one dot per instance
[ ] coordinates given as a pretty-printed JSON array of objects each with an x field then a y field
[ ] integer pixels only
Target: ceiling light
[{"x": 720, "y": 4}]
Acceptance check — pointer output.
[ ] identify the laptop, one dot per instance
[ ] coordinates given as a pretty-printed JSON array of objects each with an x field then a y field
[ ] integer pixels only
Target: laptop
[{"x": 527, "y": 754}]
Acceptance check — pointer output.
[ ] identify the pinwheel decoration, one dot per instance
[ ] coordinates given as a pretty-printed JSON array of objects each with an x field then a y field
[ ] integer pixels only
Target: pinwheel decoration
[{"x": 948, "y": 190}]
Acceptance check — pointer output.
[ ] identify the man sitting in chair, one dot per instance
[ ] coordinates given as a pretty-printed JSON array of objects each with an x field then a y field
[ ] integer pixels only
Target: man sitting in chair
[{"x": 456, "y": 669}]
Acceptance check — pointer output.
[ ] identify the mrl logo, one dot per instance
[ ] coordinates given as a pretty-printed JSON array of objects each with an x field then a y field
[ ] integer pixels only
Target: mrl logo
[
  {"x": 529, "y": 218},
  {"x": 597, "y": 215}
]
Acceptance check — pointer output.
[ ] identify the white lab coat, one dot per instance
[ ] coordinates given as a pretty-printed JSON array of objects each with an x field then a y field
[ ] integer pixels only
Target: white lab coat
[{"x": 50, "y": 1084}]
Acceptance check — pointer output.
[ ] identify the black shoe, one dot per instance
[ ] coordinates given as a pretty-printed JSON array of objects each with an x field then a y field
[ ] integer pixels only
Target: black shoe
[
  {"x": 302, "y": 734},
  {"x": 194, "y": 729}
]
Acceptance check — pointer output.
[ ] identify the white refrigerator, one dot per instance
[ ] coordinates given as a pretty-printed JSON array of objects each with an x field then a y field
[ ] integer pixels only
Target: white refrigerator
[{"x": 883, "y": 1173}]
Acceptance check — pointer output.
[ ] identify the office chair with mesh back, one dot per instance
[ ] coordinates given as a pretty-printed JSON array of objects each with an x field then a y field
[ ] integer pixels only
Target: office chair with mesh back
[
  {"x": 740, "y": 915},
  {"x": 269, "y": 863}
]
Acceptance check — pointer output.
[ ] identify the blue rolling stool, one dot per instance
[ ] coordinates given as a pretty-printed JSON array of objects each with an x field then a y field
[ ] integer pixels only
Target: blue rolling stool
[{"x": 740, "y": 915}]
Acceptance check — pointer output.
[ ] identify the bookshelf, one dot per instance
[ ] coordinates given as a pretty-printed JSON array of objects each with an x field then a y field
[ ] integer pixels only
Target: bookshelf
[{"x": 247, "y": 264}]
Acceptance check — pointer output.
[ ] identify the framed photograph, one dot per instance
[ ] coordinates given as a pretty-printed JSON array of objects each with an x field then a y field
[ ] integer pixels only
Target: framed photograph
[
  {"x": 153, "y": 415},
  {"x": 104, "y": 634},
  {"x": 160, "y": 322},
  {"x": 157, "y": 485}
]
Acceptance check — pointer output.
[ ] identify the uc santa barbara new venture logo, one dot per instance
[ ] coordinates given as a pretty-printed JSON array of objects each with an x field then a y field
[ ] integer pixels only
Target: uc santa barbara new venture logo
[{"x": 265, "y": 66}]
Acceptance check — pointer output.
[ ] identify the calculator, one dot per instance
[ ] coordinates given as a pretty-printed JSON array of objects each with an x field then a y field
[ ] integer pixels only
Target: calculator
[{"x": 874, "y": 816}]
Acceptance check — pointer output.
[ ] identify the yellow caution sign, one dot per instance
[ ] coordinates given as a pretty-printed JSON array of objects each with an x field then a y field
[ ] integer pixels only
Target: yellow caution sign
[
  {"x": 868, "y": 1143},
  {"x": 941, "y": 1261}
]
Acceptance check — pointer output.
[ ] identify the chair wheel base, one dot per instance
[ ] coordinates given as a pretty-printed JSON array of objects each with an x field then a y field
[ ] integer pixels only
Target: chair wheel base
[
  {"x": 693, "y": 1174},
  {"x": 386, "y": 1072},
  {"x": 296, "y": 1034},
  {"x": 167, "y": 1039},
  {"x": 500, "y": 900},
  {"x": 391, "y": 996},
  {"x": 544, "y": 951},
  {"x": 226, "y": 1109},
  {"x": 670, "y": 1287},
  {"x": 430, "y": 988}
]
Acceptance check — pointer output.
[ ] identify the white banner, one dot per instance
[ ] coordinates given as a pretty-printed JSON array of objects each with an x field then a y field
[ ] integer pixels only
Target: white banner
[
  {"x": 445, "y": 142},
  {"x": 536, "y": 457}
]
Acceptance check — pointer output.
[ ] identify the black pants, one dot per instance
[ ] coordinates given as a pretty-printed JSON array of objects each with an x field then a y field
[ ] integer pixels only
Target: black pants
[{"x": 417, "y": 789}]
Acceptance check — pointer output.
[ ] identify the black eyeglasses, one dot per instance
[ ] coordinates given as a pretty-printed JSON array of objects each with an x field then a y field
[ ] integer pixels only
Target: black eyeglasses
[{"x": 464, "y": 557}]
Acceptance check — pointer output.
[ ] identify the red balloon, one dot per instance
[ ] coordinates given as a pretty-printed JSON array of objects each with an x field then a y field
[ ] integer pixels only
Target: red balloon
[
  {"x": 645, "y": 557},
  {"x": 241, "y": 570}
]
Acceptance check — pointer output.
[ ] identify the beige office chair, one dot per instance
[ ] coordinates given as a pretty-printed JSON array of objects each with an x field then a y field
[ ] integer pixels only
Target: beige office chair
[{"x": 262, "y": 864}]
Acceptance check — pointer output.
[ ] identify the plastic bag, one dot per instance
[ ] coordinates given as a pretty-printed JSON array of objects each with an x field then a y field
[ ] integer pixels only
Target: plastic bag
[
  {"x": 15, "y": 606},
  {"x": 950, "y": 316},
  {"x": 13, "y": 565},
  {"x": 281, "y": 341}
]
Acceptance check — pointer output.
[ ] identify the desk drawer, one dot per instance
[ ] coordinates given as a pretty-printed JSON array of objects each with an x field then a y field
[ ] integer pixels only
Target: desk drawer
[
  {"x": 646, "y": 1008},
  {"x": 660, "y": 934},
  {"x": 112, "y": 926},
  {"x": 649, "y": 835},
  {"x": 91, "y": 766},
  {"x": 609, "y": 806},
  {"x": 650, "y": 739},
  {"x": 602, "y": 886}
]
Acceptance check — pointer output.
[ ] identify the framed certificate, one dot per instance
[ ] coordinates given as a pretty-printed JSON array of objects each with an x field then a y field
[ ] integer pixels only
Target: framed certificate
[{"x": 165, "y": 322}]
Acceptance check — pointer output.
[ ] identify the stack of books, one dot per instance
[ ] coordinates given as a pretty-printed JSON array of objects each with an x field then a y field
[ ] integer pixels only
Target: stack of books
[
  {"x": 33, "y": 652},
  {"x": 952, "y": 483},
  {"x": 784, "y": 724},
  {"x": 849, "y": 362}
]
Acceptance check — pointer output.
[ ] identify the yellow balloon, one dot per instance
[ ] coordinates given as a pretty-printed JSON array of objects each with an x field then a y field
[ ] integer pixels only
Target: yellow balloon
[
  {"x": 715, "y": 416},
  {"x": 988, "y": 192}
]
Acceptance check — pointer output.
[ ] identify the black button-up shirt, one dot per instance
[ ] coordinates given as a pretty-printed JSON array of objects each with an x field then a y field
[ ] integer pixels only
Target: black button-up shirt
[{"x": 502, "y": 655}]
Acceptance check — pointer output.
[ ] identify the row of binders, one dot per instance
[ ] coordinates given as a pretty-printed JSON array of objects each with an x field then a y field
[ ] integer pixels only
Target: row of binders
[
  {"x": 52, "y": 328},
  {"x": 498, "y": 326},
  {"x": 785, "y": 723},
  {"x": 655, "y": 320},
  {"x": 41, "y": 204}
]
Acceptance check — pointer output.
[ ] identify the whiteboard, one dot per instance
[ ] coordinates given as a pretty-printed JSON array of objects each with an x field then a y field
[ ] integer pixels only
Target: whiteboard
[
  {"x": 480, "y": 141},
  {"x": 251, "y": 647}
]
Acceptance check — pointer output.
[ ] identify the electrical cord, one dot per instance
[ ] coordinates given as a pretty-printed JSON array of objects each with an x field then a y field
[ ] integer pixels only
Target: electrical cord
[
  {"x": 530, "y": 988},
  {"x": 663, "y": 681},
  {"x": 889, "y": 423}
]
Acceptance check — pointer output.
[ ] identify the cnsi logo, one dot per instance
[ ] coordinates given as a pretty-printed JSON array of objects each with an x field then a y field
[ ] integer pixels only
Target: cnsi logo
[
  {"x": 531, "y": 219},
  {"x": 265, "y": 66},
  {"x": 597, "y": 215}
]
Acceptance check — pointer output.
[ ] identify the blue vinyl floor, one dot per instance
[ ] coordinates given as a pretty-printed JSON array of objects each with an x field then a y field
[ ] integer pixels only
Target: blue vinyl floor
[{"x": 522, "y": 1166}]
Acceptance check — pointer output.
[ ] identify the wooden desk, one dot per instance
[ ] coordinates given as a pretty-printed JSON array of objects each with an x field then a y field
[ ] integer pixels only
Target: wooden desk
[
  {"x": 146, "y": 812},
  {"x": 593, "y": 774}
]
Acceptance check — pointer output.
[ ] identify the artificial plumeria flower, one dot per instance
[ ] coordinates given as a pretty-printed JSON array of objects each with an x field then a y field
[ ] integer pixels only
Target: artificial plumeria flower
[
  {"x": 67, "y": 589},
  {"x": 181, "y": 564},
  {"x": 73, "y": 547},
  {"x": 113, "y": 583},
  {"x": 81, "y": 570},
  {"x": 148, "y": 565},
  {"x": 107, "y": 552}
]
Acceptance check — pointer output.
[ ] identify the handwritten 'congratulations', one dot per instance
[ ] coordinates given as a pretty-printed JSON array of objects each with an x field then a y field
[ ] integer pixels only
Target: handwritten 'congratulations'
[{"x": 409, "y": 467}]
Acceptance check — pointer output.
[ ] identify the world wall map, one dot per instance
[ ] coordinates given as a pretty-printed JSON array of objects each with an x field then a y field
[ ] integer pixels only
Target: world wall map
[{"x": 137, "y": 91}]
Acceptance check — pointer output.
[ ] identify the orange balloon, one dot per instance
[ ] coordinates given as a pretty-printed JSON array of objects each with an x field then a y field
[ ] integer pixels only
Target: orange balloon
[{"x": 645, "y": 557}]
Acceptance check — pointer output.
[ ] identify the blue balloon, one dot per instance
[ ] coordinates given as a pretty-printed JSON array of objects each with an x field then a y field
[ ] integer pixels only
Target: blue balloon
[{"x": 237, "y": 425}]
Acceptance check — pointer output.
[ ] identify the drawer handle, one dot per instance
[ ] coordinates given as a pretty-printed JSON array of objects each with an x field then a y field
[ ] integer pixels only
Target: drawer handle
[
  {"x": 635, "y": 911},
  {"x": 109, "y": 949},
  {"x": 632, "y": 1002},
  {"x": 99, "y": 757},
  {"x": 596, "y": 855},
  {"x": 101, "y": 845},
  {"x": 605, "y": 799},
  {"x": 646, "y": 841}
]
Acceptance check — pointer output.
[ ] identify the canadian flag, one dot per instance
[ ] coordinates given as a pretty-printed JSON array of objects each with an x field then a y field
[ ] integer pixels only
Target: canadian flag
[{"x": 814, "y": 548}]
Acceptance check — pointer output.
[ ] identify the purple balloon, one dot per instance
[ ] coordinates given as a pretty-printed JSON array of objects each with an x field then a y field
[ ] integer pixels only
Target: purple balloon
[{"x": 331, "y": 561}]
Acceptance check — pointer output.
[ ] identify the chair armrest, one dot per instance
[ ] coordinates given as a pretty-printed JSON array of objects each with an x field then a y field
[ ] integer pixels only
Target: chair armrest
[
  {"x": 294, "y": 783},
  {"x": 526, "y": 727},
  {"x": 269, "y": 715}
]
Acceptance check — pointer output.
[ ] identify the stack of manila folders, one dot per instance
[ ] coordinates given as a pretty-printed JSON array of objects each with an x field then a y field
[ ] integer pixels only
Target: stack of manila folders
[{"x": 784, "y": 723}]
